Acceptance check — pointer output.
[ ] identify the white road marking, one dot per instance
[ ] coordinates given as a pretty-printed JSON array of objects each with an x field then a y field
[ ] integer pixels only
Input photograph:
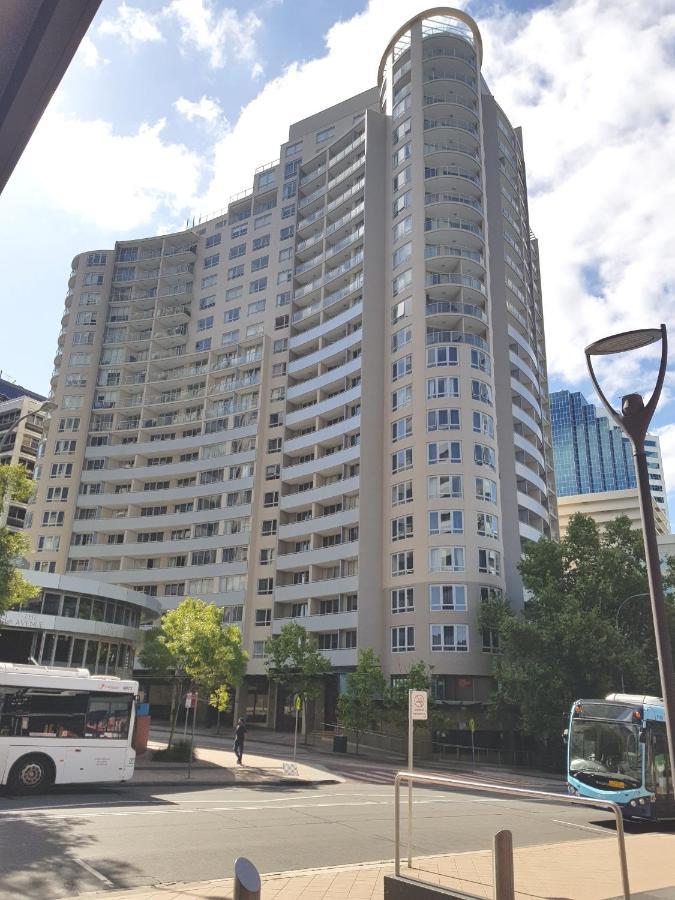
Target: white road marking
[
  {"x": 585, "y": 827},
  {"x": 93, "y": 871}
]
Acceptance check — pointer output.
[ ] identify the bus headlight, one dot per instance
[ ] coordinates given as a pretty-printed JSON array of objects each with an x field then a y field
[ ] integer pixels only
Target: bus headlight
[
  {"x": 633, "y": 803},
  {"x": 641, "y": 801}
]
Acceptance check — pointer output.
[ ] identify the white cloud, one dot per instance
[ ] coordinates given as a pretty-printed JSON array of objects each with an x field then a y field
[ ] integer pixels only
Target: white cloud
[
  {"x": 111, "y": 181},
  {"x": 257, "y": 70},
  {"x": 132, "y": 26},
  {"x": 88, "y": 54},
  {"x": 207, "y": 109},
  {"x": 223, "y": 34}
]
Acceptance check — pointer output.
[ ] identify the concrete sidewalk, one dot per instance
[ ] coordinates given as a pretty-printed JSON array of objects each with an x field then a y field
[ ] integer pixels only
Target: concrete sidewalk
[
  {"x": 575, "y": 870},
  {"x": 218, "y": 767}
]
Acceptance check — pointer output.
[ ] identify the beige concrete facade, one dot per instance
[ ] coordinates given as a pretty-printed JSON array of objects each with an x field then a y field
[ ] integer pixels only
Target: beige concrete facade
[
  {"x": 605, "y": 506},
  {"x": 329, "y": 403}
]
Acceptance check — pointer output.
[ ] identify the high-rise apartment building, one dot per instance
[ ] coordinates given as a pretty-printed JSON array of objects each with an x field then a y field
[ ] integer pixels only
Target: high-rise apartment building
[
  {"x": 21, "y": 422},
  {"x": 594, "y": 456},
  {"x": 329, "y": 404}
]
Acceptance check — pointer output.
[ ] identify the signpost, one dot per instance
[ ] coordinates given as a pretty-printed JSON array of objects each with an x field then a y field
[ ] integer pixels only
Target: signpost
[
  {"x": 472, "y": 729},
  {"x": 298, "y": 707},
  {"x": 417, "y": 712},
  {"x": 191, "y": 704}
]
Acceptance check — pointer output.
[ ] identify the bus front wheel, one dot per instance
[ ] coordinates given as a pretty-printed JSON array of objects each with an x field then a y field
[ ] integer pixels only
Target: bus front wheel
[{"x": 31, "y": 774}]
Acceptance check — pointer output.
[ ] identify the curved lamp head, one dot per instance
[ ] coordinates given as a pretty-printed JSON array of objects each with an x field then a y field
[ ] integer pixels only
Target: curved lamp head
[
  {"x": 624, "y": 341},
  {"x": 636, "y": 414}
]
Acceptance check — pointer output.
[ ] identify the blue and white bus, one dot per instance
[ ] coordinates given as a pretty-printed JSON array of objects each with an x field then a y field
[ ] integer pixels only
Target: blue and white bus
[{"x": 617, "y": 750}]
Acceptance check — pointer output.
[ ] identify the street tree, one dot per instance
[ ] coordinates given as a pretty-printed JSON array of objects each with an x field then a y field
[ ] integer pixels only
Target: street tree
[
  {"x": 417, "y": 678},
  {"x": 358, "y": 705},
  {"x": 568, "y": 641},
  {"x": 293, "y": 660},
  {"x": 202, "y": 651},
  {"x": 15, "y": 485}
]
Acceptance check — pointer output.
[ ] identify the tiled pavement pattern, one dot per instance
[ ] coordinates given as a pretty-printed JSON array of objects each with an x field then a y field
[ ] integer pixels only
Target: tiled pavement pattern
[{"x": 577, "y": 870}]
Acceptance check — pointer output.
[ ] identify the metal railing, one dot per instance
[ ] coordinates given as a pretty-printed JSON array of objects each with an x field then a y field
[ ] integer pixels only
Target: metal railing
[{"x": 524, "y": 793}]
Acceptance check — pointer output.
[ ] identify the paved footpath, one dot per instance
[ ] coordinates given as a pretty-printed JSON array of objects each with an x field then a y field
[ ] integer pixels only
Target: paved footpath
[{"x": 575, "y": 870}]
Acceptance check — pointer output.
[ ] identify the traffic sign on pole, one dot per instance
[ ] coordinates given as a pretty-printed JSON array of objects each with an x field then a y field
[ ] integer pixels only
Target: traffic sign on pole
[{"x": 418, "y": 705}]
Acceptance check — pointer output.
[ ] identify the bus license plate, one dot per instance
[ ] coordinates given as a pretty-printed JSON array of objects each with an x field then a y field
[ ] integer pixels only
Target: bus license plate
[{"x": 616, "y": 784}]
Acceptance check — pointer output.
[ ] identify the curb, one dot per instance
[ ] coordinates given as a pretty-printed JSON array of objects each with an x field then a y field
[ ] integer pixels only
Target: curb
[{"x": 285, "y": 782}]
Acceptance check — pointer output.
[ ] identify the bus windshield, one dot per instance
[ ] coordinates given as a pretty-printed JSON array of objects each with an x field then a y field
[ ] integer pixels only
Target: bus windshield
[{"x": 601, "y": 750}]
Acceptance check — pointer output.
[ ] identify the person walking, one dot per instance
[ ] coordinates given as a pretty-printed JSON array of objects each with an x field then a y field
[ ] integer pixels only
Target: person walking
[{"x": 239, "y": 736}]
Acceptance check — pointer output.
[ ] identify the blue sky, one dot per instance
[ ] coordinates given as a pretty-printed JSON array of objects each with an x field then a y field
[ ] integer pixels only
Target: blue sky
[{"x": 170, "y": 104}]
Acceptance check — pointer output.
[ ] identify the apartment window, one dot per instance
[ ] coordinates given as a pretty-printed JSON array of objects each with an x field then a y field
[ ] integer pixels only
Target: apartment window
[
  {"x": 65, "y": 446},
  {"x": 262, "y": 221},
  {"x": 49, "y": 544},
  {"x": 92, "y": 278},
  {"x": 402, "y": 563},
  {"x": 480, "y": 360},
  {"x": 402, "y": 228},
  {"x": 289, "y": 190},
  {"x": 401, "y": 282},
  {"x": 403, "y": 600},
  {"x": 266, "y": 556},
  {"x": 207, "y": 302},
  {"x": 206, "y": 529},
  {"x": 292, "y": 149},
  {"x": 401, "y": 155},
  {"x": 447, "y": 598},
  {"x": 401, "y": 398},
  {"x": 400, "y": 339},
  {"x": 490, "y": 640},
  {"x": 401, "y": 460},
  {"x": 265, "y": 586},
  {"x": 489, "y": 562},
  {"x": 263, "y": 617},
  {"x": 444, "y": 452},
  {"x": 401, "y": 493},
  {"x": 52, "y": 519},
  {"x": 258, "y": 306},
  {"x": 258, "y": 285},
  {"x": 57, "y": 495},
  {"x": 258, "y": 649},
  {"x": 231, "y": 315},
  {"x": 96, "y": 259},
  {"x": 443, "y": 419},
  {"x": 449, "y": 638},
  {"x": 205, "y": 323},
  {"x": 481, "y": 391},
  {"x": 269, "y": 527},
  {"x": 287, "y": 232},
  {"x": 281, "y": 322},
  {"x": 239, "y": 231},
  {"x": 234, "y": 293},
  {"x": 446, "y": 521},
  {"x": 204, "y": 344},
  {"x": 235, "y": 272},
  {"x": 283, "y": 299},
  {"x": 79, "y": 359},
  {"x": 272, "y": 472},
  {"x": 483, "y": 424},
  {"x": 446, "y": 559},
  {"x": 211, "y": 261},
  {"x": 401, "y": 528},
  {"x": 267, "y": 179},
  {"x": 484, "y": 456},
  {"x": 61, "y": 470},
  {"x": 280, "y": 345},
  {"x": 229, "y": 337},
  {"x": 402, "y": 255},
  {"x": 487, "y": 525},
  {"x": 401, "y": 429},
  {"x": 403, "y": 639},
  {"x": 285, "y": 254},
  {"x": 486, "y": 490},
  {"x": 208, "y": 281},
  {"x": 284, "y": 275},
  {"x": 89, "y": 298},
  {"x": 401, "y": 204},
  {"x": 260, "y": 263},
  {"x": 442, "y": 386},
  {"x": 442, "y": 356},
  {"x": 85, "y": 338},
  {"x": 401, "y": 367},
  {"x": 325, "y": 134},
  {"x": 85, "y": 318}
]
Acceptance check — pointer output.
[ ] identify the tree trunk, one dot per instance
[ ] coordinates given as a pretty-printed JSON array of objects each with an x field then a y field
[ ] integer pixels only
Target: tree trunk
[
  {"x": 175, "y": 711},
  {"x": 304, "y": 718}
]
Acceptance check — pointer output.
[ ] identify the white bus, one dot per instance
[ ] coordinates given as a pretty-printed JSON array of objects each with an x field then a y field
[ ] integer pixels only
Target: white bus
[{"x": 61, "y": 726}]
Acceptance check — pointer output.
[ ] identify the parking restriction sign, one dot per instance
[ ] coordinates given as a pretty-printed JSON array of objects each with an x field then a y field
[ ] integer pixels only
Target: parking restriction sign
[{"x": 418, "y": 705}]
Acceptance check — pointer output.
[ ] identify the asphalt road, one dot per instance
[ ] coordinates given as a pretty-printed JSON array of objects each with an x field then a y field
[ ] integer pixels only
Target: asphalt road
[{"x": 71, "y": 841}]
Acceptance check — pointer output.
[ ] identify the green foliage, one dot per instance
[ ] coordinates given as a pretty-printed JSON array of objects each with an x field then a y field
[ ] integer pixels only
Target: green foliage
[
  {"x": 365, "y": 689},
  {"x": 209, "y": 653},
  {"x": 293, "y": 660},
  {"x": 155, "y": 655},
  {"x": 15, "y": 590},
  {"x": 178, "y": 752},
  {"x": 567, "y": 643},
  {"x": 220, "y": 698},
  {"x": 417, "y": 678}
]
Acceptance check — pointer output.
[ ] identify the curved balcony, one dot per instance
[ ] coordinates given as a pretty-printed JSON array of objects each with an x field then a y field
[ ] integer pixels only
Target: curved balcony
[
  {"x": 435, "y": 279},
  {"x": 325, "y": 327},
  {"x": 436, "y": 336},
  {"x": 524, "y": 472},
  {"x": 452, "y": 310},
  {"x": 450, "y": 147},
  {"x": 329, "y": 404},
  {"x": 524, "y": 444},
  {"x": 440, "y": 224},
  {"x": 323, "y": 464},
  {"x": 452, "y": 197},
  {"x": 323, "y": 380},
  {"x": 433, "y": 75},
  {"x": 452, "y": 251},
  {"x": 526, "y": 394},
  {"x": 318, "y": 436},
  {"x": 319, "y": 494},
  {"x": 325, "y": 354},
  {"x": 431, "y": 173},
  {"x": 438, "y": 101}
]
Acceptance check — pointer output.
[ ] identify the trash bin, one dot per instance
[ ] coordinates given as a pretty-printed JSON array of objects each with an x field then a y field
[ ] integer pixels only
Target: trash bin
[{"x": 340, "y": 743}]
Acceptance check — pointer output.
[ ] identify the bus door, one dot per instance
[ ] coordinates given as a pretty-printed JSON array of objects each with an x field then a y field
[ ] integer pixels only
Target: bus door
[{"x": 658, "y": 772}]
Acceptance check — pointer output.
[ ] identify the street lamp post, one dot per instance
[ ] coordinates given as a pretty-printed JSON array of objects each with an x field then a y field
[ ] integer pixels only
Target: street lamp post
[
  {"x": 621, "y": 606},
  {"x": 634, "y": 419}
]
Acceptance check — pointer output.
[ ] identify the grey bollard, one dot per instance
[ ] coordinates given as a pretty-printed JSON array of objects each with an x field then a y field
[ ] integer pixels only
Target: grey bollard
[
  {"x": 246, "y": 880},
  {"x": 502, "y": 855}
]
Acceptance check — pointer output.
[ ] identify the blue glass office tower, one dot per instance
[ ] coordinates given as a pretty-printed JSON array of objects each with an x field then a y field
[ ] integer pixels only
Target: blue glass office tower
[{"x": 590, "y": 454}]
